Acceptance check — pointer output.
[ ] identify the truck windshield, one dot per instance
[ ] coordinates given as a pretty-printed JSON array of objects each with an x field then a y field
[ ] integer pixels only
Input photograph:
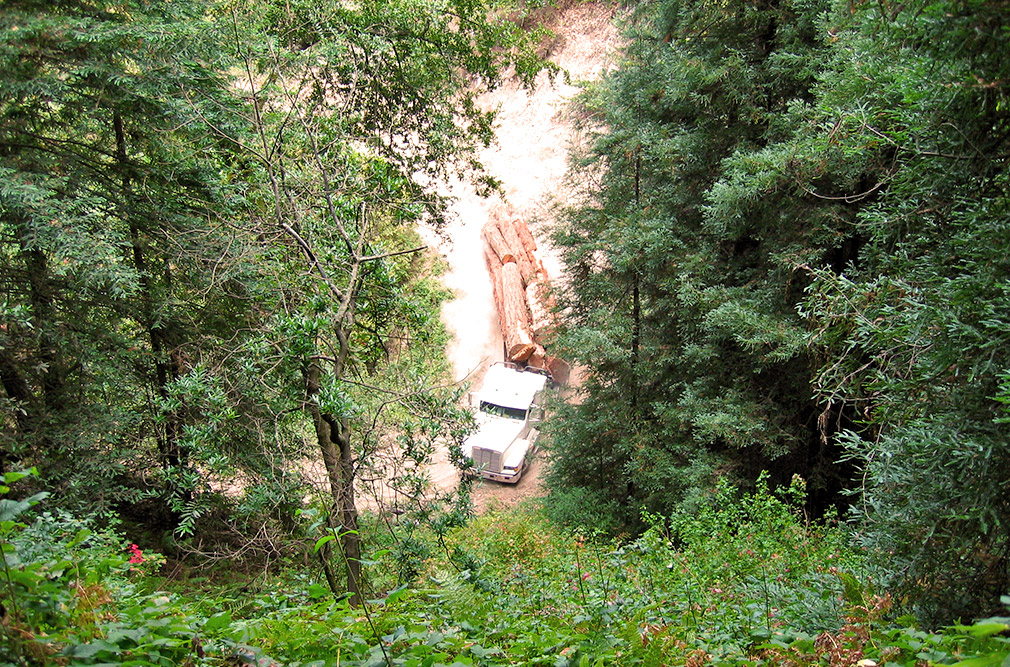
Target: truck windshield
[{"x": 501, "y": 411}]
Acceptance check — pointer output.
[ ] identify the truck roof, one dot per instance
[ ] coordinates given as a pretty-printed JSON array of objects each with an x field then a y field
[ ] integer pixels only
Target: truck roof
[{"x": 510, "y": 387}]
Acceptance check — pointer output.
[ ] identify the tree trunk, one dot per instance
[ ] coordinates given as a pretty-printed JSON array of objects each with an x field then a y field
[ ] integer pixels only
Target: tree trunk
[
  {"x": 167, "y": 367},
  {"x": 523, "y": 258},
  {"x": 493, "y": 237},
  {"x": 44, "y": 311},
  {"x": 333, "y": 438},
  {"x": 524, "y": 235},
  {"x": 50, "y": 360},
  {"x": 515, "y": 326},
  {"x": 18, "y": 392},
  {"x": 348, "y": 516}
]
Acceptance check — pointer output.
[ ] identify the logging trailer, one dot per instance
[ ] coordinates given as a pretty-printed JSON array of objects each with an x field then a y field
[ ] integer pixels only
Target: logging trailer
[{"x": 508, "y": 411}]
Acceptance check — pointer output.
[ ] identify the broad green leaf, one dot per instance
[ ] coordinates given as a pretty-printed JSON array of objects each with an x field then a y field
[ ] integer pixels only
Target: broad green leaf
[
  {"x": 14, "y": 476},
  {"x": 323, "y": 540},
  {"x": 396, "y": 593},
  {"x": 92, "y": 649},
  {"x": 81, "y": 535},
  {"x": 984, "y": 660},
  {"x": 317, "y": 591},
  {"x": 983, "y": 628},
  {"x": 218, "y": 621}
]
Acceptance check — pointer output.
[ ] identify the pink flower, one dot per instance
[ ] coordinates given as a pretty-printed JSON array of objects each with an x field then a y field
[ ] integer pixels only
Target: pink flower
[{"x": 136, "y": 555}]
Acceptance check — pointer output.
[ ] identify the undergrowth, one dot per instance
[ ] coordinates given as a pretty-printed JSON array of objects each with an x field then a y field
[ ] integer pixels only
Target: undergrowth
[{"x": 745, "y": 581}]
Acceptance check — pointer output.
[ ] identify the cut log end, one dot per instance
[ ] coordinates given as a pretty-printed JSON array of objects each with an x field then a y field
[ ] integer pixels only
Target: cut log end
[{"x": 521, "y": 352}]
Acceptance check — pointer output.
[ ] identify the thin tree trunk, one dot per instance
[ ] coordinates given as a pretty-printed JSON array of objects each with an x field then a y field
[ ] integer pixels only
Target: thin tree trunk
[
  {"x": 48, "y": 357},
  {"x": 166, "y": 362},
  {"x": 636, "y": 296},
  {"x": 17, "y": 391},
  {"x": 334, "y": 440},
  {"x": 348, "y": 515},
  {"x": 333, "y": 435}
]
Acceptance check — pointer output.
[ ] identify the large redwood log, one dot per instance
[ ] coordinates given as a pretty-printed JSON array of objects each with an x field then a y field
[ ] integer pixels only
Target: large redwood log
[
  {"x": 492, "y": 236},
  {"x": 494, "y": 271},
  {"x": 525, "y": 260},
  {"x": 525, "y": 236},
  {"x": 515, "y": 323},
  {"x": 542, "y": 321}
]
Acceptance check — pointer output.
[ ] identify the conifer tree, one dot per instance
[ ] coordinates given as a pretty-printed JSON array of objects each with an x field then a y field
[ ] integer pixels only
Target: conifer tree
[
  {"x": 111, "y": 205},
  {"x": 681, "y": 306},
  {"x": 801, "y": 229}
]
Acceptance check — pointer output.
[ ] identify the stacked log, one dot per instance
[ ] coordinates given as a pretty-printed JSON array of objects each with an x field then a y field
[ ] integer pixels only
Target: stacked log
[
  {"x": 521, "y": 291},
  {"x": 526, "y": 262},
  {"x": 541, "y": 305},
  {"x": 515, "y": 323},
  {"x": 493, "y": 237},
  {"x": 494, "y": 270}
]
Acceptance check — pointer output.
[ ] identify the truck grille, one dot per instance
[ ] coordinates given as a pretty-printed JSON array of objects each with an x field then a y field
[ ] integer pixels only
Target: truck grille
[{"x": 486, "y": 459}]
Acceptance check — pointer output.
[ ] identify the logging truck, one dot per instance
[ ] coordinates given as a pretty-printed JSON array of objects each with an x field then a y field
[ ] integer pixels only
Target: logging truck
[{"x": 508, "y": 412}]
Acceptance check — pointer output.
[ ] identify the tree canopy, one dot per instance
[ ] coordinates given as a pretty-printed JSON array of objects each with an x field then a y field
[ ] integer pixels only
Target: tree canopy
[
  {"x": 207, "y": 244},
  {"x": 793, "y": 255}
]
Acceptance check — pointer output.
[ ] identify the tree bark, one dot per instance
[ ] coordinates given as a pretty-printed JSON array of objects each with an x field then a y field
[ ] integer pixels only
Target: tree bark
[
  {"x": 347, "y": 512},
  {"x": 492, "y": 236},
  {"x": 18, "y": 392},
  {"x": 525, "y": 236},
  {"x": 333, "y": 437},
  {"x": 166, "y": 361},
  {"x": 515, "y": 325},
  {"x": 523, "y": 258},
  {"x": 49, "y": 404},
  {"x": 494, "y": 266}
]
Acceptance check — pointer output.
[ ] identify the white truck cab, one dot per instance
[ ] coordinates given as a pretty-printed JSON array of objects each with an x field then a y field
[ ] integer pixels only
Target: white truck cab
[{"x": 508, "y": 413}]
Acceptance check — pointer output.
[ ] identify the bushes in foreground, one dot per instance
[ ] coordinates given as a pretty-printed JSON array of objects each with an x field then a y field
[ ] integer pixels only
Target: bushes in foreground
[{"x": 745, "y": 581}]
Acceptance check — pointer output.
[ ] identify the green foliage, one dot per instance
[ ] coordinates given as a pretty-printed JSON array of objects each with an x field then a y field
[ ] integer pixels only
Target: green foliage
[
  {"x": 201, "y": 202},
  {"x": 748, "y": 581},
  {"x": 793, "y": 251},
  {"x": 109, "y": 214},
  {"x": 682, "y": 301},
  {"x": 56, "y": 573},
  {"x": 913, "y": 336}
]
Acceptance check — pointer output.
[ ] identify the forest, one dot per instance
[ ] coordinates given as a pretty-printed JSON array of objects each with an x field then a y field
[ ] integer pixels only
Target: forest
[{"x": 786, "y": 295}]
